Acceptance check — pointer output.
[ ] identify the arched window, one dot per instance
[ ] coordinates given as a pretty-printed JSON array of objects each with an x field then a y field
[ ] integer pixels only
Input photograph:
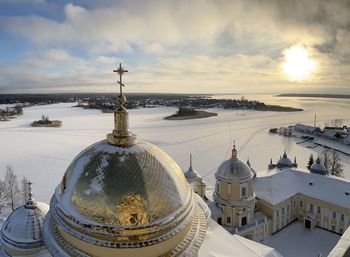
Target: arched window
[
  {"x": 244, "y": 221},
  {"x": 244, "y": 191}
]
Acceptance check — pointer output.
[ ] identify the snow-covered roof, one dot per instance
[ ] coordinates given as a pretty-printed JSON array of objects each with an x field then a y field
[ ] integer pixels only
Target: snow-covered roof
[
  {"x": 332, "y": 132},
  {"x": 215, "y": 210},
  {"x": 280, "y": 186},
  {"x": 219, "y": 243},
  {"x": 305, "y": 128},
  {"x": 347, "y": 139},
  {"x": 343, "y": 246}
]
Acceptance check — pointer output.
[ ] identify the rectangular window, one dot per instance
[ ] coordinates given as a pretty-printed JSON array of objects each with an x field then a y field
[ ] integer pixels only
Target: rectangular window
[
  {"x": 288, "y": 207},
  {"x": 282, "y": 210},
  {"x": 342, "y": 217},
  {"x": 333, "y": 228},
  {"x": 244, "y": 191},
  {"x": 311, "y": 208},
  {"x": 334, "y": 215},
  {"x": 318, "y": 209},
  {"x": 301, "y": 204},
  {"x": 229, "y": 220},
  {"x": 277, "y": 213}
]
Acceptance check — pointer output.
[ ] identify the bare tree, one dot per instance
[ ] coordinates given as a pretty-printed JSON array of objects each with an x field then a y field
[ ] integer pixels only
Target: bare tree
[
  {"x": 3, "y": 194},
  {"x": 24, "y": 190},
  {"x": 11, "y": 185},
  {"x": 332, "y": 162},
  {"x": 337, "y": 123}
]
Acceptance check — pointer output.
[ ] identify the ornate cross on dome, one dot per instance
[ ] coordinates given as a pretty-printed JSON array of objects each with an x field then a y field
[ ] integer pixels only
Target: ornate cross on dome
[
  {"x": 120, "y": 71},
  {"x": 30, "y": 194},
  {"x": 234, "y": 151}
]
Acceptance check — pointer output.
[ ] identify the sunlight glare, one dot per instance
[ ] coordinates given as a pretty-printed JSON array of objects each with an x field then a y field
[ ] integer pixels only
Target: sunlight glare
[{"x": 298, "y": 65}]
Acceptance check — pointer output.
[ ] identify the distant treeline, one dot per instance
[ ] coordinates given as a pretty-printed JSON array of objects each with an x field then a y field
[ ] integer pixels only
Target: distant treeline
[
  {"x": 316, "y": 95},
  {"x": 107, "y": 101},
  {"x": 72, "y": 97}
]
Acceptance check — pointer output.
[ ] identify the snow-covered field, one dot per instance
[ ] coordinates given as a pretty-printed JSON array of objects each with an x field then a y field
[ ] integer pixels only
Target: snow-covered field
[{"x": 43, "y": 154}]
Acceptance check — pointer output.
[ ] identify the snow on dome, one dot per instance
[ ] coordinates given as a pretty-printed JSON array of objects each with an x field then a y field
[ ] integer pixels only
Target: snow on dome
[
  {"x": 23, "y": 229},
  {"x": 191, "y": 173},
  {"x": 318, "y": 167},
  {"x": 234, "y": 170},
  {"x": 284, "y": 162}
]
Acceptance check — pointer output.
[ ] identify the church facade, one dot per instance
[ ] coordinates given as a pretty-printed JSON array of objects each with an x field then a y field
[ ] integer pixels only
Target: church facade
[{"x": 257, "y": 207}]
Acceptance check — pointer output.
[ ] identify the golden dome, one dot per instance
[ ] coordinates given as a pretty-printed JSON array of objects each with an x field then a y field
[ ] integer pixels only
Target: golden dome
[
  {"x": 118, "y": 186},
  {"x": 124, "y": 197}
]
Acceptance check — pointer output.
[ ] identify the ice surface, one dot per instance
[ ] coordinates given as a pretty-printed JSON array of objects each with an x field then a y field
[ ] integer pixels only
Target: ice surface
[{"x": 43, "y": 154}]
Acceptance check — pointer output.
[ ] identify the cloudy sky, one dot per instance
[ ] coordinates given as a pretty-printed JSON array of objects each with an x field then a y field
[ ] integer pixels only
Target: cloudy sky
[{"x": 182, "y": 46}]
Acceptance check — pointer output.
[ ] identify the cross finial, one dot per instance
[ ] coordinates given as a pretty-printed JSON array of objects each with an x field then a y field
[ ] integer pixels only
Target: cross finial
[
  {"x": 30, "y": 194},
  {"x": 190, "y": 162},
  {"x": 234, "y": 151},
  {"x": 120, "y": 71}
]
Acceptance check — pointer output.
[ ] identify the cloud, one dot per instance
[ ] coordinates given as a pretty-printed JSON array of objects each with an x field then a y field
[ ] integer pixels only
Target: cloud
[{"x": 186, "y": 46}]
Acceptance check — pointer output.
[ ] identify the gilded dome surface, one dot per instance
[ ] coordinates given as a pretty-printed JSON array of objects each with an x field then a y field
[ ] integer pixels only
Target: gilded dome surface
[{"x": 117, "y": 186}]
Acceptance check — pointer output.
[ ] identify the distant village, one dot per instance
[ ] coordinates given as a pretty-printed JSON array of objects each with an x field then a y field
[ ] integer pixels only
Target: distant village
[
  {"x": 106, "y": 102},
  {"x": 11, "y": 112},
  {"x": 334, "y": 131}
]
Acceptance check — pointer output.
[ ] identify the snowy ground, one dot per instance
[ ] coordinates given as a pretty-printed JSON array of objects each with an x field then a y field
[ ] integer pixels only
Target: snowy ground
[
  {"x": 43, "y": 154},
  {"x": 295, "y": 240}
]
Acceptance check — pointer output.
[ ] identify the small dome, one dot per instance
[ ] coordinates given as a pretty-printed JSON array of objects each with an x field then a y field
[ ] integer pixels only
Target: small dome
[
  {"x": 318, "y": 168},
  {"x": 23, "y": 229},
  {"x": 234, "y": 170},
  {"x": 191, "y": 173},
  {"x": 284, "y": 162}
]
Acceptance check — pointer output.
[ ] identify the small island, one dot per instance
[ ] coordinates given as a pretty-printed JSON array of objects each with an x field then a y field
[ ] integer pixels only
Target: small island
[
  {"x": 46, "y": 122},
  {"x": 185, "y": 113}
]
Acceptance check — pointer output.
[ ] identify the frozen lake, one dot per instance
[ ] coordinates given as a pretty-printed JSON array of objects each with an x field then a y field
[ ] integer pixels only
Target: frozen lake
[{"x": 43, "y": 154}]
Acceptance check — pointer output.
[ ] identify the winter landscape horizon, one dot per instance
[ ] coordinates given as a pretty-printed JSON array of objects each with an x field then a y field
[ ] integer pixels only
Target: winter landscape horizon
[
  {"x": 48, "y": 151},
  {"x": 225, "y": 132}
]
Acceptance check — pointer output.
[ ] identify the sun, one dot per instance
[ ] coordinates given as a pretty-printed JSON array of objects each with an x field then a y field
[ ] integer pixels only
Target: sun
[{"x": 298, "y": 65}]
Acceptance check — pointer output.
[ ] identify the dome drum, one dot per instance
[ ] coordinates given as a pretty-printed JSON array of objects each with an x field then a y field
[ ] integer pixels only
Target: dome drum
[
  {"x": 122, "y": 236},
  {"x": 232, "y": 203}
]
